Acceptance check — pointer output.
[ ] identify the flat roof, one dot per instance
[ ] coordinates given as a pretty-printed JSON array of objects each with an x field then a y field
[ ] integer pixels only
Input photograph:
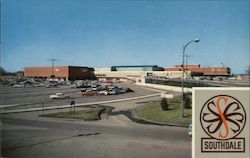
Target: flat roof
[
  {"x": 122, "y": 66},
  {"x": 56, "y": 66}
]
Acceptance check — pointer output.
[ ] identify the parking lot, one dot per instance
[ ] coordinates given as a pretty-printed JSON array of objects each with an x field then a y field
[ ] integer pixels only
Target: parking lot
[{"x": 32, "y": 97}]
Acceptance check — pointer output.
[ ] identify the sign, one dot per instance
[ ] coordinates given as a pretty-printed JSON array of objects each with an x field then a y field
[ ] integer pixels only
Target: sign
[{"x": 221, "y": 122}]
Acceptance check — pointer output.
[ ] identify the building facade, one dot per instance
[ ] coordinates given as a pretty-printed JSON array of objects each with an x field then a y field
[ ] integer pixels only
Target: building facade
[
  {"x": 137, "y": 68},
  {"x": 197, "y": 70},
  {"x": 131, "y": 73},
  {"x": 60, "y": 72}
]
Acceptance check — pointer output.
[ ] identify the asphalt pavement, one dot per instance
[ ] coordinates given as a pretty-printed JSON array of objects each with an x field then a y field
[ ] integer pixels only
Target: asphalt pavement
[
  {"x": 34, "y": 138},
  {"x": 26, "y": 135},
  {"x": 38, "y": 97}
]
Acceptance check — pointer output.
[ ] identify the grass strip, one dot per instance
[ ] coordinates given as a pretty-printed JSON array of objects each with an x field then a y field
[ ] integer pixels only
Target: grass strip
[
  {"x": 153, "y": 111},
  {"x": 86, "y": 115}
]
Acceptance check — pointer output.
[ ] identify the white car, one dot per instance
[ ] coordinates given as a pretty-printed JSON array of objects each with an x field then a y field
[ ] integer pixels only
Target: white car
[
  {"x": 18, "y": 85},
  {"x": 103, "y": 92},
  {"x": 112, "y": 92},
  {"x": 111, "y": 87},
  {"x": 58, "y": 96},
  {"x": 94, "y": 88},
  {"x": 190, "y": 130}
]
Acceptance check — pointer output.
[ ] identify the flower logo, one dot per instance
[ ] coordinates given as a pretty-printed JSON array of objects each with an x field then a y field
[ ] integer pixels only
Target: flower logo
[{"x": 223, "y": 117}]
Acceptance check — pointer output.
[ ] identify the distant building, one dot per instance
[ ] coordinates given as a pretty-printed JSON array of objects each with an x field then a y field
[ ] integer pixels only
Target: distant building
[
  {"x": 60, "y": 72},
  {"x": 197, "y": 70},
  {"x": 137, "y": 68},
  {"x": 216, "y": 71},
  {"x": 124, "y": 73}
]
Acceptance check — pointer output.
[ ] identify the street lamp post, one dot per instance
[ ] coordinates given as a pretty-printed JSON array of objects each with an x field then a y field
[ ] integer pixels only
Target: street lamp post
[{"x": 182, "y": 81}]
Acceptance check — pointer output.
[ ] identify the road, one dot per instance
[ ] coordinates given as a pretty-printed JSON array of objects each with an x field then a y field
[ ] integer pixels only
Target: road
[{"x": 63, "y": 139}]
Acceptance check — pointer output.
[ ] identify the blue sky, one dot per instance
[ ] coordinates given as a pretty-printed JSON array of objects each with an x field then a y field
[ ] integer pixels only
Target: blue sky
[{"x": 99, "y": 33}]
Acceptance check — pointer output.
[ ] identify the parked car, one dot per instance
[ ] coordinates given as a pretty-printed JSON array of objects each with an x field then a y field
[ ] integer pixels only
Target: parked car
[
  {"x": 112, "y": 92},
  {"x": 39, "y": 85},
  {"x": 104, "y": 92},
  {"x": 111, "y": 87},
  {"x": 99, "y": 88},
  {"x": 94, "y": 87},
  {"x": 73, "y": 86},
  {"x": 83, "y": 86},
  {"x": 121, "y": 90},
  {"x": 18, "y": 85},
  {"x": 84, "y": 89},
  {"x": 190, "y": 130},
  {"x": 89, "y": 93},
  {"x": 58, "y": 96},
  {"x": 51, "y": 85}
]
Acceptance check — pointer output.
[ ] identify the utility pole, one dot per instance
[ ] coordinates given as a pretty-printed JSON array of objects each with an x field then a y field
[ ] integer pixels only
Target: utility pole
[{"x": 53, "y": 65}]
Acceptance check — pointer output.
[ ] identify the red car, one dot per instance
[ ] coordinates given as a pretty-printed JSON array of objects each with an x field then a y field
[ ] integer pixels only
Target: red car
[{"x": 89, "y": 93}]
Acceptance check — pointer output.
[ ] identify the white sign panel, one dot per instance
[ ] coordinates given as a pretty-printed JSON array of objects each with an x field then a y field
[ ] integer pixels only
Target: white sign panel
[{"x": 221, "y": 122}]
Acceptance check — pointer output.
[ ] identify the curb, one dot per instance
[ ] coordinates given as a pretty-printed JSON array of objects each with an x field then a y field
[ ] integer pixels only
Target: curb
[{"x": 134, "y": 116}]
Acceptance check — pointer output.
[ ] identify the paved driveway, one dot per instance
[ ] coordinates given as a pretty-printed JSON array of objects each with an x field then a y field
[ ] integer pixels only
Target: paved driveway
[{"x": 34, "y": 138}]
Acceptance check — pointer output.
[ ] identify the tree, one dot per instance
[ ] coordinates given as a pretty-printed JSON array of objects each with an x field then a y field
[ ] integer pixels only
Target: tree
[
  {"x": 187, "y": 101},
  {"x": 164, "y": 104},
  {"x": 2, "y": 71}
]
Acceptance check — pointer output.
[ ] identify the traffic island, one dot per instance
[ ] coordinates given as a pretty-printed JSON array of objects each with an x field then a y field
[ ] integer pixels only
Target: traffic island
[
  {"x": 154, "y": 113},
  {"x": 91, "y": 114}
]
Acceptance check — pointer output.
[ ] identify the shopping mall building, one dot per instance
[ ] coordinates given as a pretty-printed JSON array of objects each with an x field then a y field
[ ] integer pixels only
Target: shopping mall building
[
  {"x": 141, "y": 71},
  {"x": 197, "y": 70},
  {"x": 124, "y": 73}
]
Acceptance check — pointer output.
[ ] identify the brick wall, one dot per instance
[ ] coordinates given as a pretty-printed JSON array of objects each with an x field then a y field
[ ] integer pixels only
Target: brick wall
[
  {"x": 209, "y": 71},
  {"x": 216, "y": 71},
  {"x": 70, "y": 72},
  {"x": 59, "y": 71}
]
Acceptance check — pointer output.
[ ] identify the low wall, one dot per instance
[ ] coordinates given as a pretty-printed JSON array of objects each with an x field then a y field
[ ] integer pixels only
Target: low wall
[{"x": 165, "y": 87}]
